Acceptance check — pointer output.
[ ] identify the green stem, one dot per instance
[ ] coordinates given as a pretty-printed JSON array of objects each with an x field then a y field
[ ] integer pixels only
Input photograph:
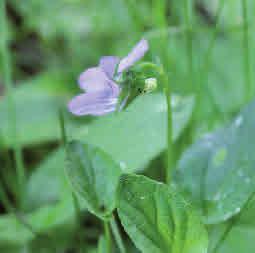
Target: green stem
[
  {"x": 188, "y": 9},
  {"x": 159, "y": 13},
  {"x": 207, "y": 59},
  {"x": 64, "y": 142},
  {"x": 135, "y": 15},
  {"x": 117, "y": 236},
  {"x": 246, "y": 51},
  {"x": 4, "y": 199},
  {"x": 20, "y": 170},
  {"x": 169, "y": 134},
  {"x": 176, "y": 30},
  {"x": 62, "y": 127},
  {"x": 208, "y": 54},
  {"x": 108, "y": 237},
  {"x": 159, "y": 9}
]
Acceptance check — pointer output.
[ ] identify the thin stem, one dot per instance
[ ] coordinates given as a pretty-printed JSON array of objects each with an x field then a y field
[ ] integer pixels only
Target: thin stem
[
  {"x": 169, "y": 134},
  {"x": 108, "y": 237},
  {"x": 64, "y": 141},
  {"x": 135, "y": 15},
  {"x": 62, "y": 127},
  {"x": 207, "y": 59},
  {"x": 4, "y": 199},
  {"x": 208, "y": 54},
  {"x": 117, "y": 235},
  {"x": 20, "y": 170},
  {"x": 188, "y": 10},
  {"x": 176, "y": 30},
  {"x": 159, "y": 13},
  {"x": 246, "y": 50}
]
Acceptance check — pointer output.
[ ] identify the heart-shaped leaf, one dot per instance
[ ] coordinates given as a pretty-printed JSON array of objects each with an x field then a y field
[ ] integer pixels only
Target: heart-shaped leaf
[
  {"x": 157, "y": 218},
  {"x": 94, "y": 176}
]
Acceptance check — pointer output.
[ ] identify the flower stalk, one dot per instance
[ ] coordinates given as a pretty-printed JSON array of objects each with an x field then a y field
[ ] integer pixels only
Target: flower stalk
[
  {"x": 117, "y": 236},
  {"x": 246, "y": 51},
  {"x": 169, "y": 135},
  {"x": 108, "y": 236}
]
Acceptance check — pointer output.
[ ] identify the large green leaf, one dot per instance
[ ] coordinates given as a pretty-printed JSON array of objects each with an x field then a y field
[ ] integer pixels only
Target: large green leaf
[
  {"x": 132, "y": 138},
  {"x": 157, "y": 218},
  {"x": 94, "y": 176},
  {"x": 135, "y": 136},
  {"x": 218, "y": 170}
]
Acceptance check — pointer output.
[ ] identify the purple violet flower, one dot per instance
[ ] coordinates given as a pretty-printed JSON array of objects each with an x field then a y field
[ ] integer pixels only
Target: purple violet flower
[{"x": 102, "y": 92}]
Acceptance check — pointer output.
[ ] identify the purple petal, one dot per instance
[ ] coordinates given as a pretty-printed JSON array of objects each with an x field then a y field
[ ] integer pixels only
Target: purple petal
[
  {"x": 135, "y": 55},
  {"x": 94, "y": 80},
  {"x": 108, "y": 65},
  {"x": 92, "y": 104}
]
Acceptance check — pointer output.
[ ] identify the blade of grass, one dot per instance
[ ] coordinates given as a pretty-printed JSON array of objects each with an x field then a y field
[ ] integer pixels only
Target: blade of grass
[
  {"x": 246, "y": 52},
  {"x": 208, "y": 56},
  {"x": 108, "y": 237},
  {"x": 64, "y": 142},
  {"x": 117, "y": 236},
  {"x": 4, "y": 199},
  {"x": 7, "y": 72},
  {"x": 159, "y": 14},
  {"x": 188, "y": 14},
  {"x": 135, "y": 15},
  {"x": 169, "y": 135}
]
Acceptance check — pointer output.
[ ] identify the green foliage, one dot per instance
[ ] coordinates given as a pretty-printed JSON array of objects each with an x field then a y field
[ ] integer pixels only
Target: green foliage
[
  {"x": 36, "y": 108},
  {"x": 137, "y": 135},
  {"x": 137, "y": 128},
  {"x": 209, "y": 66},
  {"x": 102, "y": 246},
  {"x": 45, "y": 223},
  {"x": 157, "y": 218},
  {"x": 94, "y": 176},
  {"x": 218, "y": 170}
]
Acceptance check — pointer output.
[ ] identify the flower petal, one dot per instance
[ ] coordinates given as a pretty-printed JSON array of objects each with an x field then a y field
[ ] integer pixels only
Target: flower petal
[
  {"x": 108, "y": 65},
  {"x": 94, "y": 80},
  {"x": 135, "y": 55},
  {"x": 92, "y": 104}
]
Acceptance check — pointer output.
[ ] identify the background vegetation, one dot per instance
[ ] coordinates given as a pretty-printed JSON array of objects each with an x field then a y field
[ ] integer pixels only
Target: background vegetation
[{"x": 206, "y": 47}]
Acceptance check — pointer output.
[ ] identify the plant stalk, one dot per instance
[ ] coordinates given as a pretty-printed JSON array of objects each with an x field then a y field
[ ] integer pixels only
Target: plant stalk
[
  {"x": 246, "y": 52},
  {"x": 108, "y": 237},
  {"x": 117, "y": 236},
  {"x": 169, "y": 135}
]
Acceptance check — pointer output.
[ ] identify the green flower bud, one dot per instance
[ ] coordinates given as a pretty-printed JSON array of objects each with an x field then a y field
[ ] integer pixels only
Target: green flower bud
[{"x": 150, "y": 84}]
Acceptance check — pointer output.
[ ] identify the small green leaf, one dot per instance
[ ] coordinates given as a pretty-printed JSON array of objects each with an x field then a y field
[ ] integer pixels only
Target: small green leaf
[
  {"x": 94, "y": 176},
  {"x": 157, "y": 218}
]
